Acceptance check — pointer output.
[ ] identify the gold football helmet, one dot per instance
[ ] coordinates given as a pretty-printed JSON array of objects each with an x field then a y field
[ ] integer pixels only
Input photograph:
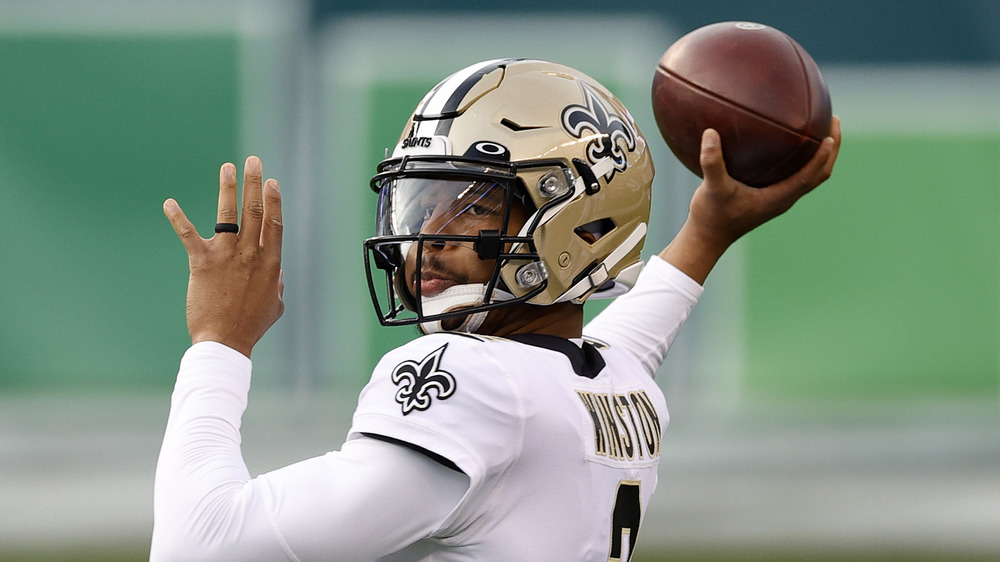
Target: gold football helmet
[{"x": 510, "y": 138}]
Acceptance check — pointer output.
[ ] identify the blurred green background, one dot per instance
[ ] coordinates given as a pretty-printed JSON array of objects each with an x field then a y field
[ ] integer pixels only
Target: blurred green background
[
  {"x": 835, "y": 394},
  {"x": 96, "y": 132}
]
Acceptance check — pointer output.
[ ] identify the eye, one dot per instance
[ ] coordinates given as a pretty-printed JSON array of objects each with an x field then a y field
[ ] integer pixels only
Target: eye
[
  {"x": 417, "y": 218},
  {"x": 479, "y": 210}
]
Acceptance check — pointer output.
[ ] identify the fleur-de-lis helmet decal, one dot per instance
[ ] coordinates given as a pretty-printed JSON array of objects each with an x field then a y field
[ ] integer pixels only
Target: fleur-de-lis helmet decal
[{"x": 612, "y": 136}]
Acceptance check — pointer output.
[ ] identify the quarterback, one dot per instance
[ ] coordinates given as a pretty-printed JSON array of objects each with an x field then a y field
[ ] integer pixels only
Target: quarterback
[{"x": 509, "y": 430}]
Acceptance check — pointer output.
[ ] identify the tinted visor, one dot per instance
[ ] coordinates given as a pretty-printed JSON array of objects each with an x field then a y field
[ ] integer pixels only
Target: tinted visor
[{"x": 414, "y": 205}]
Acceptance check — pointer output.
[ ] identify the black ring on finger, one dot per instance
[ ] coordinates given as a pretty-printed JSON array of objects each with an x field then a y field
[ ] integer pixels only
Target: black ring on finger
[{"x": 227, "y": 227}]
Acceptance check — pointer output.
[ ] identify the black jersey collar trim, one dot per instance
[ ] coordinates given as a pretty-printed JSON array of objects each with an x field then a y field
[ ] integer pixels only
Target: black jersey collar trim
[{"x": 586, "y": 360}]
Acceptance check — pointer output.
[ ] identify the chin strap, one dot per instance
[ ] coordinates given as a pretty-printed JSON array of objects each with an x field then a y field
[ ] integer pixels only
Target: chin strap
[{"x": 454, "y": 299}]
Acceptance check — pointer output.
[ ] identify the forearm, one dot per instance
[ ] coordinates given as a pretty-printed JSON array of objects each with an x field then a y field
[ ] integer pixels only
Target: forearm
[{"x": 694, "y": 252}]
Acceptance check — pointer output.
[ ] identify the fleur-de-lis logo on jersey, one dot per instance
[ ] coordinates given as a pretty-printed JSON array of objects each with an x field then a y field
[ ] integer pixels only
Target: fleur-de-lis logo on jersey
[
  {"x": 610, "y": 132},
  {"x": 416, "y": 379}
]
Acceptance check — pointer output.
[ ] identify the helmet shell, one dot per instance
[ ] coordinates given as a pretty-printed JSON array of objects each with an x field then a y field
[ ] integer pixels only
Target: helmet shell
[{"x": 523, "y": 111}]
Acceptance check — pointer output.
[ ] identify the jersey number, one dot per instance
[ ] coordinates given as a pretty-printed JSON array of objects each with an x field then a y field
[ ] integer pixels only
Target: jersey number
[{"x": 625, "y": 521}]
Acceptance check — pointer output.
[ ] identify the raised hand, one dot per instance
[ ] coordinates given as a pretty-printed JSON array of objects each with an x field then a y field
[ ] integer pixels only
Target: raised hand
[
  {"x": 235, "y": 289},
  {"x": 723, "y": 209}
]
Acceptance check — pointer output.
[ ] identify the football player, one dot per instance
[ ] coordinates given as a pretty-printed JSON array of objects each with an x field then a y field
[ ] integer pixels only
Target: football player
[{"x": 518, "y": 190}]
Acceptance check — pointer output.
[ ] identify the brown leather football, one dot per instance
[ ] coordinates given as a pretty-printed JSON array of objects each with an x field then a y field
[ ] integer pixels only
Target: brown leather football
[{"x": 752, "y": 83}]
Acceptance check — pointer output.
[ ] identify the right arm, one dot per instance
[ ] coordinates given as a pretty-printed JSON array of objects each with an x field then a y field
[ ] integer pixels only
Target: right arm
[
  {"x": 722, "y": 210},
  {"x": 354, "y": 504},
  {"x": 357, "y": 503}
]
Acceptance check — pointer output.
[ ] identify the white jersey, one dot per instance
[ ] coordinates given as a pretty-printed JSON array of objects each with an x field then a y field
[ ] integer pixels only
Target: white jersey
[
  {"x": 529, "y": 448},
  {"x": 560, "y": 462}
]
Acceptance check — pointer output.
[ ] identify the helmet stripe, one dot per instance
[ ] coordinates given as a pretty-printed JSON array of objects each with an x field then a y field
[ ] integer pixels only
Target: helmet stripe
[{"x": 447, "y": 96}]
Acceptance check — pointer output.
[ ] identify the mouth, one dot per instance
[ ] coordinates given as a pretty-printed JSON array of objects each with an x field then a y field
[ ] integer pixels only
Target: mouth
[
  {"x": 433, "y": 283},
  {"x": 433, "y": 287}
]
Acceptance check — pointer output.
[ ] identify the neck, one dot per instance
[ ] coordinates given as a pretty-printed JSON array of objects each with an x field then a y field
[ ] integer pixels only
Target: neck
[{"x": 563, "y": 319}]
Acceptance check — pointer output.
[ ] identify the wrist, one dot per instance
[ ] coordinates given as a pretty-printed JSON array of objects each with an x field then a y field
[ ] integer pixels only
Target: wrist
[
  {"x": 695, "y": 251},
  {"x": 229, "y": 342}
]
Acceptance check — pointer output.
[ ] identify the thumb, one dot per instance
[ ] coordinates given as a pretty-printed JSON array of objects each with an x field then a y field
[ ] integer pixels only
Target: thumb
[
  {"x": 713, "y": 167},
  {"x": 182, "y": 226}
]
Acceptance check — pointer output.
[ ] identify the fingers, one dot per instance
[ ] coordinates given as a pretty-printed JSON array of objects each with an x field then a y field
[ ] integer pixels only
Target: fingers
[
  {"x": 270, "y": 236},
  {"x": 261, "y": 212},
  {"x": 815, "y": 172},
  {"x": 253, "y": 204},
  {"x": 228, "y": 210},
  {"x": 835, "y": 135},
  {"x": 820, "y": 168}
]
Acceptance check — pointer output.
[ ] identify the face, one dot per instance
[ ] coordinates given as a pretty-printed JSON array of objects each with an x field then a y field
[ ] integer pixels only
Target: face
[{"x": 451, "y": 208}]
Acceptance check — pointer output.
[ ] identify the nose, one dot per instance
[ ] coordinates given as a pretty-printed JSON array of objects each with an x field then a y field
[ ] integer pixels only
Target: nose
[
  {"x": 437, "y": 223},
  {"x": 445, "y": 221}
]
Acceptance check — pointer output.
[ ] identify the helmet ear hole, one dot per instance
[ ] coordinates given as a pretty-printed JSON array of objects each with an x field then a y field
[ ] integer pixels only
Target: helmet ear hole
[{"x": 595, "y": 230}]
